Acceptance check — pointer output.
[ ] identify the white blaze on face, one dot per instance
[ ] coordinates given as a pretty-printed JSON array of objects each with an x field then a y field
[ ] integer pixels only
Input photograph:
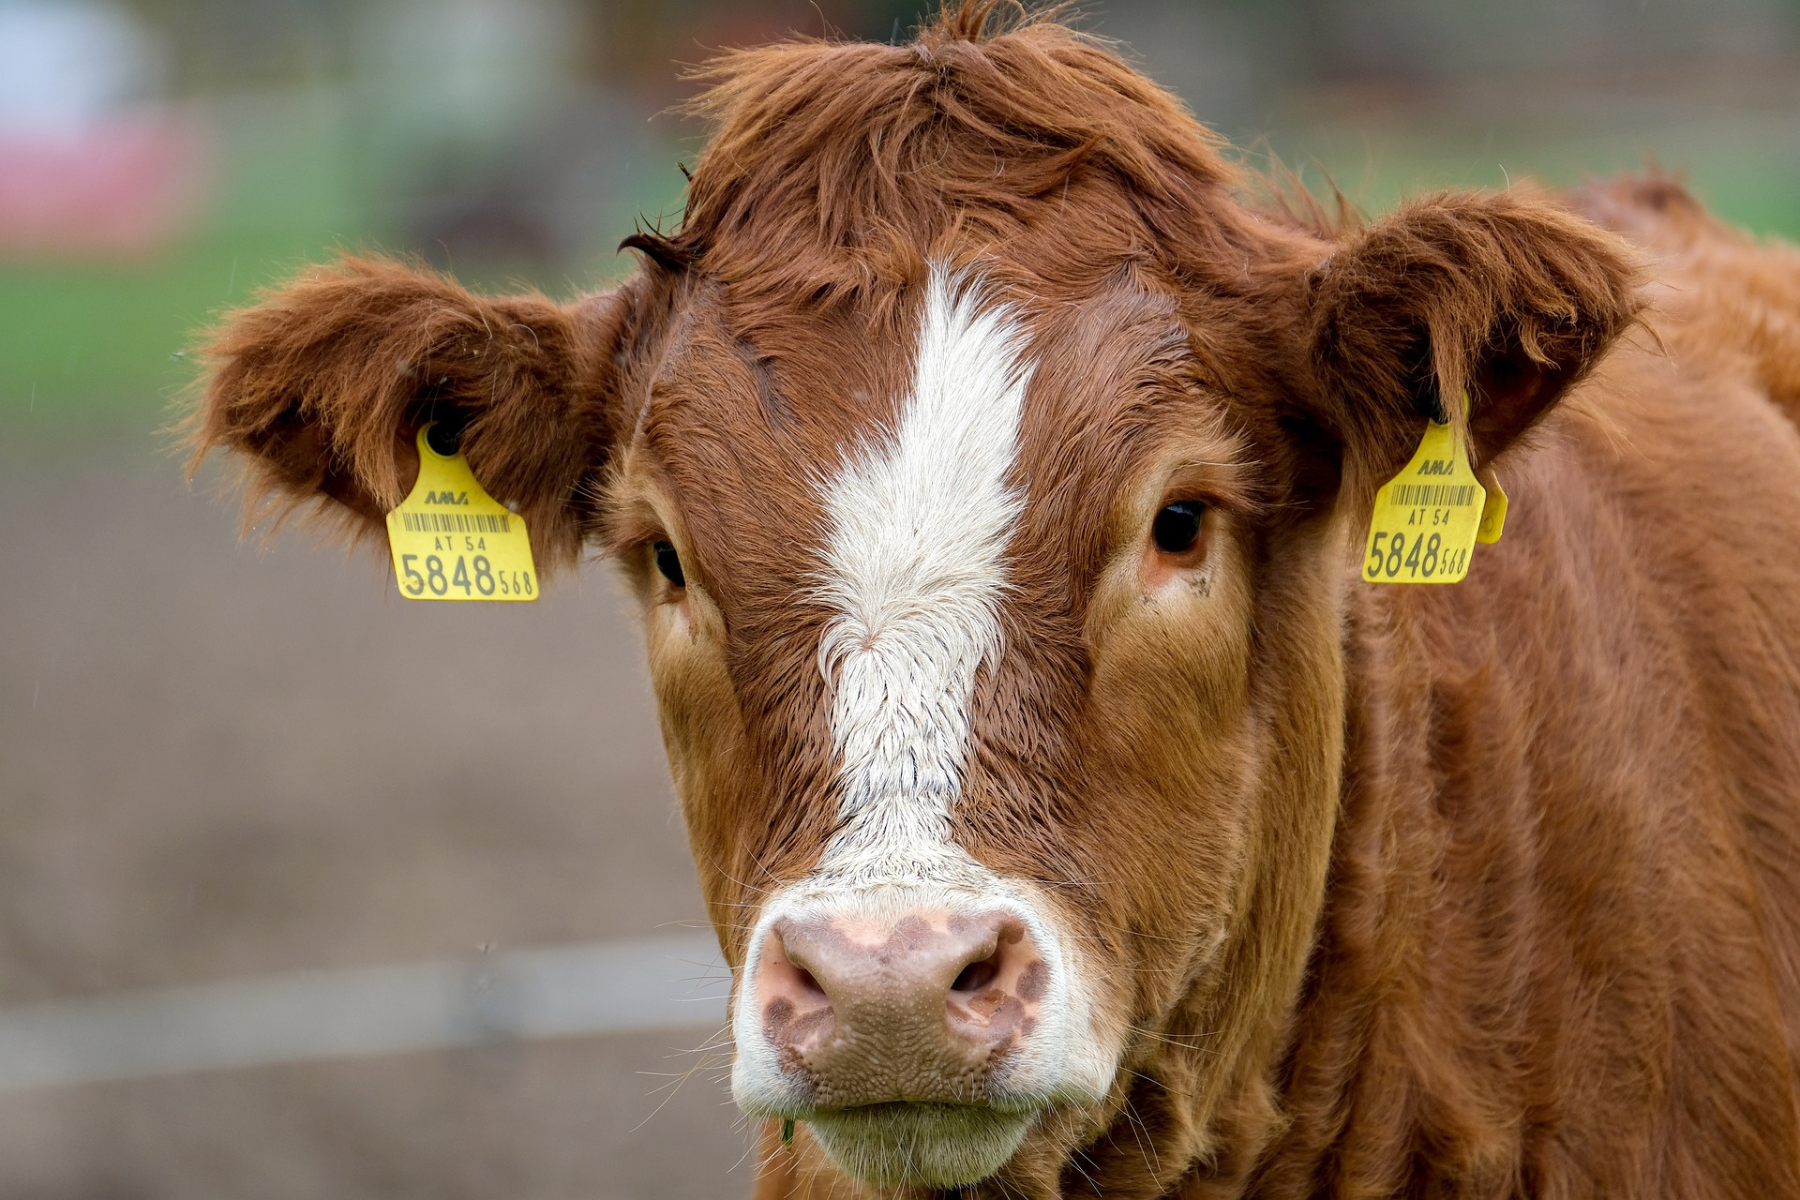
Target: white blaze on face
[{"x": 915, "y": 569}]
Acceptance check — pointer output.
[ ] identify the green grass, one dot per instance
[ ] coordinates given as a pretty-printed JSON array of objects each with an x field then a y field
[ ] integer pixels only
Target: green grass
[
  {"x": 100, "y": 344},
  {"x": 106, "y": 344},
  {"x": 1744, "y": 168}
]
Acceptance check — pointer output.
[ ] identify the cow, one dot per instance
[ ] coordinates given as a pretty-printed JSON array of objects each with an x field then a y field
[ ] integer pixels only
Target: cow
[{"x": 991, "y": 459}]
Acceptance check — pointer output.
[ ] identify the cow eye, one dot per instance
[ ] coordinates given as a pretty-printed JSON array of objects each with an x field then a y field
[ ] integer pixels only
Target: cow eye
[
  {"x": 669, "y": 563},
  {"x": 1177, "y": 526}
]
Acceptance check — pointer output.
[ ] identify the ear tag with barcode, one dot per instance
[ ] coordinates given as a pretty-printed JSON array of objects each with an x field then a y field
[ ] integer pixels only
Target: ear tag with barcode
[
  {"x": 453, "y": 541},
  {"x": 1427, "y": 517}
]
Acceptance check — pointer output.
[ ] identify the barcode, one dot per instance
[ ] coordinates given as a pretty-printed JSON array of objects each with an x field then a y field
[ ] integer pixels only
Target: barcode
[
  {"x": 431, "y": 522},
  {"x": 1436, "y": 495}
]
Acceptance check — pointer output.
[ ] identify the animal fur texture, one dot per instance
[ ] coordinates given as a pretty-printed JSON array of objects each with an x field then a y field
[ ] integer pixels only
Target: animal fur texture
[{"x": 1487, "y": 890}]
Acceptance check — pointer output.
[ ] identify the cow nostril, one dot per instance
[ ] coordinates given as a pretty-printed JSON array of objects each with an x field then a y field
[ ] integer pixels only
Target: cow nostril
[
  {"x": 804, "y": 979},
  {"x": 977, "y": 975}
]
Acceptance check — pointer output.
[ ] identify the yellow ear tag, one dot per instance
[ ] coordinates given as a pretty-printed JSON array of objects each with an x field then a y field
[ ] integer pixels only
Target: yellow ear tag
[
  {"x": 1427, "y": 517},
  {"x": 1493, "y": 516},
  {"x": 453, "y": 541}
]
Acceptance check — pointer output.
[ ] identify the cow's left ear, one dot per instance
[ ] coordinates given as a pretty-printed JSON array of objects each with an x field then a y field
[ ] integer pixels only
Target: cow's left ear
[{"x": 1511, "y": 298}]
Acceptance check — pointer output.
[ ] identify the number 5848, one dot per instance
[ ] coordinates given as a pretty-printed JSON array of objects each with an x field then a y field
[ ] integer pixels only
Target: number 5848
[
  {"x": 473, "y": 577},
  {"x": 1418, "y": 556}
]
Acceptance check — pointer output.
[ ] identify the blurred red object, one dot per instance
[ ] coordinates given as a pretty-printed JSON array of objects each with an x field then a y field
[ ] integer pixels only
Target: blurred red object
[{"x": 127, "y": 184}]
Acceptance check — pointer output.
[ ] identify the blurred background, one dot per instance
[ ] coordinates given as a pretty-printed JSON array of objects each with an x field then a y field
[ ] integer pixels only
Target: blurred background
[{"x": 245, "y": 790}]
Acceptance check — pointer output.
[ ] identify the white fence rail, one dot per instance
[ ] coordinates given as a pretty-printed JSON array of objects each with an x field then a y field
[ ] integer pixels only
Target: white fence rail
[{"x": 569, "y": 991}]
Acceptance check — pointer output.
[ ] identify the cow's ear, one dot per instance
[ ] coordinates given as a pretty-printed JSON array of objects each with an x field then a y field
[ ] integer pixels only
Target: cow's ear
[
  {"x": 321, "y": 389},
  {"x": 1510, "y": 298}
]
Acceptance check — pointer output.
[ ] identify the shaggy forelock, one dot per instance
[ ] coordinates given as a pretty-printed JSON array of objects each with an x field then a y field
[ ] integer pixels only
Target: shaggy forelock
[{"x": 835, "y": 166}]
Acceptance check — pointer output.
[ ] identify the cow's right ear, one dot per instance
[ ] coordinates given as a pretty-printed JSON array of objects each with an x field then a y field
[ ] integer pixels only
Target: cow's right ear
[{"x": 322, "y": 387}]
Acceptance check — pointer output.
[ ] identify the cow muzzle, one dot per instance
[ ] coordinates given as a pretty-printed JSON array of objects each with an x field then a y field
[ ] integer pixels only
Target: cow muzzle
[
  {"x": 918, "y": 1043},
  {"x": 922, "y": 1012}
]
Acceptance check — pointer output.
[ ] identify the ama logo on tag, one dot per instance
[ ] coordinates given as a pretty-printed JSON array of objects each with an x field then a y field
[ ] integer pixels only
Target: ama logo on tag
[
  {"x": 1438, "y": 466},
  {"x": 447, "y": 498}
]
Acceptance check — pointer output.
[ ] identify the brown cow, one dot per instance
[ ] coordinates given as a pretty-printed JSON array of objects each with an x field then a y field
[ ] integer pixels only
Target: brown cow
[{"x": 1076, "y": 821}]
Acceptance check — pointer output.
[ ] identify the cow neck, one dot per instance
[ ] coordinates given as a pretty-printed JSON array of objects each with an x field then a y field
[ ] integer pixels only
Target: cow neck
[{"x": 1371, "y": 968}]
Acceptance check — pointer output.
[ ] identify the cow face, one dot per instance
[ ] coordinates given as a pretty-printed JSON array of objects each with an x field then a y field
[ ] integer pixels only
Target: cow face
[
  {"x": 955, "y": 677},
  {"x": 987, "y": 473}
]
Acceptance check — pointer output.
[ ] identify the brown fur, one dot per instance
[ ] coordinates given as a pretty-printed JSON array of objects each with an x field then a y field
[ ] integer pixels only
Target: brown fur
[
  {"x": 1485, "y": 890},
  {"x": 323, "y": 385}
]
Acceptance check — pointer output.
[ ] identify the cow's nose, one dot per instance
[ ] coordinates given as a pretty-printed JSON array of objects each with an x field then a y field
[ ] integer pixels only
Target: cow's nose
[{"x": 920, "y": 1010}]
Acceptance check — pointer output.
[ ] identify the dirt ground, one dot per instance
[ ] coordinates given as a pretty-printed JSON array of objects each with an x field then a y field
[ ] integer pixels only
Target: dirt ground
[{"x": 219, "y": 761}]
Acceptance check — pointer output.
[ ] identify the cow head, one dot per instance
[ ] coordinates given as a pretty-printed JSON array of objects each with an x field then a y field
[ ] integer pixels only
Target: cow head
[{"x": 988, "y": 473}]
